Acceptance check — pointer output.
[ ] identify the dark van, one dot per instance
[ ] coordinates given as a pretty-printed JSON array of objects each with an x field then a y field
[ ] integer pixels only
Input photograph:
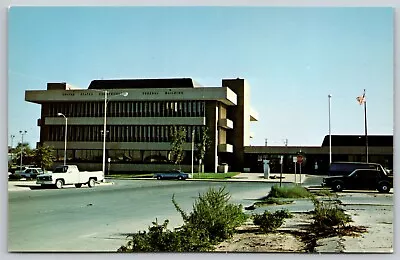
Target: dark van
[{"x": 345, "y": 168}]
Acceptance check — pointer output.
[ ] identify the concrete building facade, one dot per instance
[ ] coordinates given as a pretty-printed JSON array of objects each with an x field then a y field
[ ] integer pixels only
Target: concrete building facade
[
  {"x": 139, "y": 124},
  {"x": 344, "y": 148}
]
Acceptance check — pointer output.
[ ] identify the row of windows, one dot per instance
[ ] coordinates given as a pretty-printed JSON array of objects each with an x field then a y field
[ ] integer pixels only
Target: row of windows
[
  {"x": 118, "y": 133},
  {"x": 126, "y": 109},
  {"x": 119, "y": 156}
]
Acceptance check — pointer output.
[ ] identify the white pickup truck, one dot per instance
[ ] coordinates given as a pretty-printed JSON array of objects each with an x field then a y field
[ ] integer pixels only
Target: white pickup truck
[{"x": 70, "y": 174}]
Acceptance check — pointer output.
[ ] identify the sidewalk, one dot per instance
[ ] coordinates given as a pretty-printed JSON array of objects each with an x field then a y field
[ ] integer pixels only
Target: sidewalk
[
  {"x": 274, "y": 177},
  {"x": 244, "y": 177}
]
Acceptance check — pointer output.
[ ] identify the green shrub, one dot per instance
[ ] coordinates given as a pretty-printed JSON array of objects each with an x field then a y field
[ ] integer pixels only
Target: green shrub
[
  {"x": 288, "y": 192},
  {"x": 328, "y": 216},
  {"x": 213, "y": 214},
  {"x": 269, "y": 222},
  {"x": 160, "y": 239},
  {"x": 213, "y": 219}
]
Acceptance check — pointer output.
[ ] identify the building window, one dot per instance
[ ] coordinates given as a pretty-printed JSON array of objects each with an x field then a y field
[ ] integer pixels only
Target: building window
[
  {"x": 150, "y": 109},
  {"x": 194, "y": 108},
  {"x": 166, "y": 136},
  {"x": 136, "y": 133},
  {"x": 159, "y": 108}
]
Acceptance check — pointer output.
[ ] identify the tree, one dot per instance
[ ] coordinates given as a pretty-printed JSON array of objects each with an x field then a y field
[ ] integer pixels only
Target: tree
[
  {"x": 202, "y": 147},
  {"x": 44, "y": 156},
  {"x": 27, "y": 154},
  {"x": 178, "y": 138}
]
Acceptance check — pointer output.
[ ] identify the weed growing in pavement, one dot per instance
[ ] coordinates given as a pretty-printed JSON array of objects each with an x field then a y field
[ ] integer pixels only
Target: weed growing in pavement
[
  {"x": 328, "y": 216},
  {"x": 272, "y": 201},
  {"x": 323, "y": 192},
  {"x": 213, "y": 214},
  {"x": 269, "y": 222},
  {"x": 288, "y": 192}
]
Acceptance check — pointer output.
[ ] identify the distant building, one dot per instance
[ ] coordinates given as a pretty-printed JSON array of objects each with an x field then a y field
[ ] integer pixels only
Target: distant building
[
  {"x": 138, "y": 125},
  {"x": 344, "y": 148}
]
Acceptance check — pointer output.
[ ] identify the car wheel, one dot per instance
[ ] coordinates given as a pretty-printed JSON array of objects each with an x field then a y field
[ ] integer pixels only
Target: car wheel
[
  {"x": 383, "y": 187},
  {"x": 337, "y": 186},
  {"x": 59, "y": 184},
  {"x": 158, "y": 177},
  {"x": 180, "y": 178},
  {"x": 78, "y": 185},
  {"x": 91, "y": 183}
]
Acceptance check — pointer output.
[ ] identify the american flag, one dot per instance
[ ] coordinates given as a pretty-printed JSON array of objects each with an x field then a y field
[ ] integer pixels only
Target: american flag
[{"x": 361, "y": 99}]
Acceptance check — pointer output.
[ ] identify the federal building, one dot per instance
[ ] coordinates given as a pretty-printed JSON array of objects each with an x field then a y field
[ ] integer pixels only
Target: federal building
[{"x": 140, "y": 113}]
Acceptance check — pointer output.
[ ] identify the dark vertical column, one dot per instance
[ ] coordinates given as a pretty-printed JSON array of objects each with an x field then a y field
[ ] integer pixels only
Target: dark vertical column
[
  {"x": 237, "y": 114},
  {"x": 211, "y": 154}
]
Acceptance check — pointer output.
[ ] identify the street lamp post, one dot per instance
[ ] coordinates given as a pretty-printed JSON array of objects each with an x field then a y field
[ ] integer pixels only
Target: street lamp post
[
  {"x": 104, "y": 134},
  {"x": 330, "y": 136},
  {"x": 12, "y": 150},
  {"x": 65, "y": 138},
  {"x": 12, "y": 140},
  {"x": 22, "y": 145},
  {"x": 192, "y": 150},
  {"x": 104, "y": 126}
]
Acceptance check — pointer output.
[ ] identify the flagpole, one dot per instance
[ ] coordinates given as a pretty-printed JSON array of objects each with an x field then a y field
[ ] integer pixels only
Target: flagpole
[
  {"x": 365, "y": 126},
  {"x": 330, "y": 136}
]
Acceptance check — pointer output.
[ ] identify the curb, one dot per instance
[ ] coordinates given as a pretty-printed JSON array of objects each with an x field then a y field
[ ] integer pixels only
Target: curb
[
  {"x": 214, "y": 180},
  {"x": 21, "y": 186}
]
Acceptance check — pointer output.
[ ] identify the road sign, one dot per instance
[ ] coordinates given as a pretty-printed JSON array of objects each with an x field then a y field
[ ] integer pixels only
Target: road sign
[
  {"x": 299, "y": 158},
  {"x": 281, "y": 161},
  {"x": 294, "y": 159}
]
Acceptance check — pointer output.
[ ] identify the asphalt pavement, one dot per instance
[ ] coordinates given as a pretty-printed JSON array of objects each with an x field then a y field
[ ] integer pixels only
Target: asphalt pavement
[
  {"x": 95, "y": 219},
  {"x": 99, "y": 219}
]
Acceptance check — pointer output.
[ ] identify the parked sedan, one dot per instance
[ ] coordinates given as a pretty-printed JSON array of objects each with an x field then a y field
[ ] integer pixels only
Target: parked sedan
[
  {"x": 30, "y": 172},
  {"x": 174, "y": 174}
]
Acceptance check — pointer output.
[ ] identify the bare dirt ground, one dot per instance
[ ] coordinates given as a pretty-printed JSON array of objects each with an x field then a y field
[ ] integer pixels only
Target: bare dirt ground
[
  {"x": 371, "y": 231},
  {"x": 288, "y": 238}
]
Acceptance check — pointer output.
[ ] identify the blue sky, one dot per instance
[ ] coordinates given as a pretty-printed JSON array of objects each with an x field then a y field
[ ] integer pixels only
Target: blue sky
[{"x": 292, "y": 58}]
